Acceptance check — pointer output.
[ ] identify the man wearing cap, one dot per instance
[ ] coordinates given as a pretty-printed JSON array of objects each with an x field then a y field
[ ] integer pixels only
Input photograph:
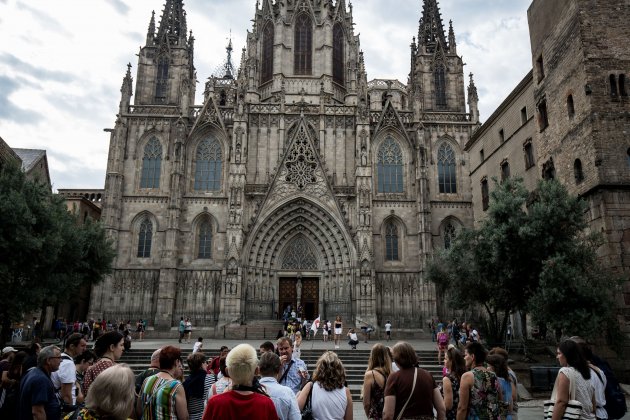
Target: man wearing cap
[
  {"x": 8, "y": 353},
  {"x": 37, "y": 393},
  {"x": 65, "y": 379}
]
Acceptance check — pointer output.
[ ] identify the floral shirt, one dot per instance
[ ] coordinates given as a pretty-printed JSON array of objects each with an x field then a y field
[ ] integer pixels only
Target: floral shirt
[
  {"x": 484, "y": 396},
  {"x": 452, "y": 413}
]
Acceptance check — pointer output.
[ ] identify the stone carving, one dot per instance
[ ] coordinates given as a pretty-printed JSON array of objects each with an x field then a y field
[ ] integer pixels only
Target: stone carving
[
  {"x": 299, "y": 255},
  {"x": 301, "y": 162}
]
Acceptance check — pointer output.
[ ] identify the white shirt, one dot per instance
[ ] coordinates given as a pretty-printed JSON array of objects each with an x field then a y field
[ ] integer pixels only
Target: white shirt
[
  {"x": 67, "y": 374},
  {"x": 197, "y": 346},
  {"x": 388, "y": 327},
  {"x": 600, "y": 395},
  {"x": 328, "y": 405}
]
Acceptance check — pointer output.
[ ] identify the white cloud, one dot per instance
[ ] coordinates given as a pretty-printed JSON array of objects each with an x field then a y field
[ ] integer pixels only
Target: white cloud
[{"x": 62, "y": 62}]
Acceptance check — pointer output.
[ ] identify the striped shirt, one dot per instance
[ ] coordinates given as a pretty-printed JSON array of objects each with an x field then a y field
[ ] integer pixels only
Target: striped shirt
[{"x": 158, "y": 398}]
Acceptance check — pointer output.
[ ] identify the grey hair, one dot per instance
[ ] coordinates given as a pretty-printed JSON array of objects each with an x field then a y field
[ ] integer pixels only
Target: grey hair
[
  {"x": 45, "y": 354},
  {"x": 156, "y": 355},
  {"x": 112, "y": 392}
]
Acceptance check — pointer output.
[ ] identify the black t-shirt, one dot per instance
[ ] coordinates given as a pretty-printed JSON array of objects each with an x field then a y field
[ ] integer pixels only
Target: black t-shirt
[{"x": 37, "y": 389}]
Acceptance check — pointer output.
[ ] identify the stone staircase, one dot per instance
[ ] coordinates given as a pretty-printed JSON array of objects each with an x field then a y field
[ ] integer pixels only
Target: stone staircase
[{"x": 355, "y": 362}]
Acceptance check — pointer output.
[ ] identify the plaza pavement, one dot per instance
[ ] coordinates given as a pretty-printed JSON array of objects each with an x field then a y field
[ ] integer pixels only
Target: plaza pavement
[{"x": 529, "y": 410}]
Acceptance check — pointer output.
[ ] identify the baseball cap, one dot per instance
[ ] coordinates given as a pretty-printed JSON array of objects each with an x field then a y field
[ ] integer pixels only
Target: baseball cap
[{"x": 8, "y": 349}]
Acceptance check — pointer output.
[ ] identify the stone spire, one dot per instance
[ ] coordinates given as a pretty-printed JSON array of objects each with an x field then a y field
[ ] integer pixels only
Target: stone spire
[
  {"x": 431, "y": 29},
  {"x": 229, "y": 67},
  {"x": 452, "y": 46},
  {"x": 173, "y": 23},
  {"x": 473, "y": 101},
  {"x": 126, "y": 90},
  {"x": 151, "y": 31}
]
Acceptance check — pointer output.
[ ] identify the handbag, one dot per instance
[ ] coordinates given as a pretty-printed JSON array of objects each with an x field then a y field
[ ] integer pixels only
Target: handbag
[
  {"x": 574, "y": 407},
  {"x": 415, "y": 377},
  {"x": 307, "y": 412}
]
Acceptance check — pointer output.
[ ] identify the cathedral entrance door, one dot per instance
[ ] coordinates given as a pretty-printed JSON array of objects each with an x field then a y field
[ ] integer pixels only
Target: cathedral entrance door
[{"x": 309, "y": 295}]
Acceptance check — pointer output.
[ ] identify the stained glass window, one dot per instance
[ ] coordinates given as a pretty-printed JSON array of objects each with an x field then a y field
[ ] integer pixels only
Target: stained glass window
[
  {"x": 205, "y": 240},
  {"x": 440, "y": 87},
  {"x": 267, "y": 54},
  {"x": 145, "y": 237},
  {"x": 303, "y": 45},
  {"x": 338, "y": 68},
  {"x": 151, "y": 164},
  {"x": 161, "y": 81},
  {"x": 390, "y": 167},
  {"x": 449, "y": 235},
  {"x": 208, "y": 166},
  {"x": 391, "y": 242},
  {"x": 447, "y": 177}
]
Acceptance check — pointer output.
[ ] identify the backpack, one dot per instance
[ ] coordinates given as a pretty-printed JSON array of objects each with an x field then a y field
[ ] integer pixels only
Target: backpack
[
  {"x": 615, "y": 398},
  {"x": 442, "y": 338}
]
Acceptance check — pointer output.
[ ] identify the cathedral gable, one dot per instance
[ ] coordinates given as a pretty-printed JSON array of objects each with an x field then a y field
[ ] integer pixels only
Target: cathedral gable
[
  {"x": 391, "y": 120},
  {"x": 209, "y": 114}
]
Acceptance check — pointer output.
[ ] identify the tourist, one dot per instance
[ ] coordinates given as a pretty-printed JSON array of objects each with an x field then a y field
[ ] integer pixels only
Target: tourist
[
  {"x": 598, "y": 380},
  {"x": 111, "y": 396},
  {"x": 456, "y": 365},
  {"x": 502, "y": 352},
  {"x": 214, "y": 367},
  {"x": 267, "y": 346},
  {"x": 65, "y": 378},
  {"x": 162, "y": 396},
  {"x": 411, "y": 391},
  {"x": 478, "y": 388},
  {"x": 197, "y": 385},
  {"x": 188, "y": 329},
  {"x": 153, "y": 368},
  {"x": 574, "y": 369},
  {"x": 181, "y": 328},
  {"x": 37, "y": 393},
  {"x": 140, "y": 329},
  {"x": 353, "y": 339},
  {"x": 81, "y": 364},
  {"x": 224, "y": 382},
  {"x": 282, "y": 396},
  {"x": 338, "y": 330},
  {"x": 11, "y": 379},
  {"x": 325, "y": 331},
  {"x": 108, "y": 348},
  {"x": 198, "y": 345},
  {"x": 497, "y": 364},
  {"x": 388, "y": 330},
  {"x": 374, "y": 380},
  {"x": 442, "y": 343},
  {"x": 31, "y": 359},
  {"x": 247, "y": 399},
  {"x": 294, "y": 371},
  {"x": 330, "y": 398},
  {"x": 296, "y": 346}
]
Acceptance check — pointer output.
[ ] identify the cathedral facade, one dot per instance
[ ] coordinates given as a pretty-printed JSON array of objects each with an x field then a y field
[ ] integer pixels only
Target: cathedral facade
[{"x": 296, "y": 182}]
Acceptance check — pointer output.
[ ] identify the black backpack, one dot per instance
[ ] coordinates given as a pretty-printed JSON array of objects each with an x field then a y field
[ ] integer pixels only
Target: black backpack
[{"x": 615, "y": 397}]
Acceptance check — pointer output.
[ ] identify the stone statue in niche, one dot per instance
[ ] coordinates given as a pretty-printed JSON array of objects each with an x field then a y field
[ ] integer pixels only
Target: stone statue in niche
[
  {"x": 238, "y": 153},
  {"x": 298, "y": 291},
  {"x": 363, "y": 156}
]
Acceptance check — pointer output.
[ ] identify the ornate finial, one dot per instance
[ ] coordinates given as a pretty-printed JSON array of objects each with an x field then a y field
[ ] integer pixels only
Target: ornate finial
[
  {"x": 472, "y": 89},
  {"x": 452, "y": 46}
]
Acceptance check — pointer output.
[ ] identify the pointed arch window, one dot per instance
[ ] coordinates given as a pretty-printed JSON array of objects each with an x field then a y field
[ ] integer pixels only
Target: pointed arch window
[
  {"x": 449, "y": 235},
  {"x": 205, "y": 240},
  {"x": 391, "y": 242},
  {"x": 447, "y": 170},
  {"x": 578, "y": 173},
  {"x": 266, "y": 73},
  {"x": 161, "y": 80},
  {"x": 208, "y": 165},
  {"x": 145, "y": 238},
  {"x": 151, "y": 164},
  {"x": 303, "y": 45},
  {"x": 440, "y": 86},
  {"x": 390, "y": 167},
  {"x": 338, "y": 67}
]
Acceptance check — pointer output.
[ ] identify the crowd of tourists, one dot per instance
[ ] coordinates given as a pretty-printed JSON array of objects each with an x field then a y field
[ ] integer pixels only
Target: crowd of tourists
[
  {"x": 275, "y": 383},
  {"x": 92, "y": 329}
]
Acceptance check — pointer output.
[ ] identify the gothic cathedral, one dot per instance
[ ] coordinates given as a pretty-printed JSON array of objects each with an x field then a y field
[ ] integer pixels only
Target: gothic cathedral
[{"x": 296, "y": 182}]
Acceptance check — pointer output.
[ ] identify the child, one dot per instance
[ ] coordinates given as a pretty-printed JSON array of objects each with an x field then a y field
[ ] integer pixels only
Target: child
[
  {"x": 198, "y": 345},
  {"x": 296, "y": 345},
  {"x": 325, "y": 331}
]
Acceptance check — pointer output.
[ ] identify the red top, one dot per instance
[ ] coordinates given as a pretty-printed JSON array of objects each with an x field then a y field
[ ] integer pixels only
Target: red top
[{"x": 233, "y": 405}]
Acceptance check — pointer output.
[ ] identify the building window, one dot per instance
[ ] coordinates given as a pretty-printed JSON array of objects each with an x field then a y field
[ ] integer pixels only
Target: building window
[
  {"x": 543, "y": 118},
  {"x": 449, "y": 235},
  {"x": 482, "y": 156},
  {"x": 161, "y": 80},
  {"x": 145, "y": 237},
  {"x": 485, "y": 195},
  {"x": 391, "y": 242},
  {"x": 613, "y": 85},
  {"x": 383, "y": 100},
  {"x": 628, "y": 157},
  {"x": 549, "y": 170},
  {"x": 622, "y": 85},
  {"x": 208, "y": 166},
  {"x": 303, "y": 45},
  {"x": 523, "y": 115},
  {"x": 390, "y": 167},
  {"x": 540, "y": 66},
  {"x": 529, "y": 154},
  {"x": 501, "y": 135},
  {"x": 570, "y": 106},
  {"x": 440, "y": 87},
  {"x": 338, "y": 68},
  {"x": 151, "y": 164},
  {"x": 447, "y": 170},
  {"x": 577, "y": 171},
  {"x": 266, "y": 72},
  {"x": 205, "y": 240},
  {"x": 505, "y": 170}
]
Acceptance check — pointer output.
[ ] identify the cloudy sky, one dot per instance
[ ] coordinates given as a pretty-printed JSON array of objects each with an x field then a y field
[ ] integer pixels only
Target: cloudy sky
[{"x": 62, "y": 62}]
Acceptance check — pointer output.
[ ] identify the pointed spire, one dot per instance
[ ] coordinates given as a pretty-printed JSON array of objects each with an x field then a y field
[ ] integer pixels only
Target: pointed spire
[
  {"x": 452, "y": 46},
  {"x": 229, "y": 67},
  {"x": 151, "y": 31},
  {"x": 126, "y": 90},
  {"x": 431, "y": 29},
  {"x": 173, "y": 23},
  {"x": 473, "y": 100}
]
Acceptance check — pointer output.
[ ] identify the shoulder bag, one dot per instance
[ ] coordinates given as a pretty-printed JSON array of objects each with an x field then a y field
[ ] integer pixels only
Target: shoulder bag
[
  {"x": 574, "y": 407},
  {"x": 307, "y": 412},
  {"x": 413, "y": 388}
]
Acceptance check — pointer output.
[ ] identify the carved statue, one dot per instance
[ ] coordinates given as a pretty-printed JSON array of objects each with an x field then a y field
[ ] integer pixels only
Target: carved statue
[
  {"x": 363, "y": 157},
  {"x": 298, "y": 290}
]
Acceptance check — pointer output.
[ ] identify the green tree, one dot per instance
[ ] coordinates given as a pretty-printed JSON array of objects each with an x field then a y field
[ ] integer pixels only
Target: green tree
[
  {"x": 531, "y": 253},
  {"x": 45, "y": 254}
]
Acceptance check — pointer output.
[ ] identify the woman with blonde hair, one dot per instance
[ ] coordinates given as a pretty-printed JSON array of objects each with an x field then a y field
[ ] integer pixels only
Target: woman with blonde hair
[
  {"x": 373, "y": 391},
  {"x": 112, "y": 395},
  {"x": 330, "y": 398}
]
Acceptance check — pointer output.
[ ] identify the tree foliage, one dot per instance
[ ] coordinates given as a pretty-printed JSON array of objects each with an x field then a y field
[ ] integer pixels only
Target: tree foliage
[
  {"x": 45, "y": 254},
  {"x": 531, "y": 253}
]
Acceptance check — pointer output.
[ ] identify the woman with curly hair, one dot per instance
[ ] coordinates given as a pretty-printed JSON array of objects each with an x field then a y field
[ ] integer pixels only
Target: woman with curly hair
[
  {"x": 330, "y": 398},
  {"x": 373, "y": 392},
  {"x": 456, "y": 366}
]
